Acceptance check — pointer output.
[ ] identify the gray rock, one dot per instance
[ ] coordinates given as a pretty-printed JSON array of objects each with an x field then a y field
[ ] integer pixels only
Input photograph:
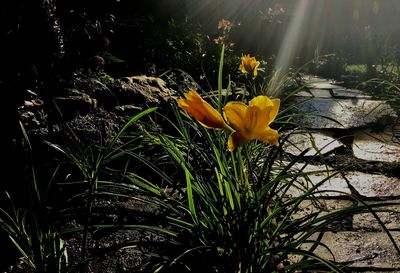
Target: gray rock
[
  {"x": 102, "y": 93},
  {"x": 343, "y": 113},
  {"x": 321, "y": 93},
  {"x": 350, "y": 93},
  {"x": 127, "y": 110},
  {"x": 374, "y": 185},
  {"x": 364, "y": 184},
  {"x": 332, "y": 183},
  {"x": 321, "y": 206},
  {"x": 141, "y": 90},
  {"x": 29, "y": 119},
  {"x": 75, "y": 103},
  {"x": 95, "y": 128},
  {"x": 383, "y": 146},
  {"x": 318, "y": 142},
  {"x": 366, "y": 221},
  {"x": 333, "y": 186},
  {"x": 322, "y": 85},
  {"x": 361, "y": 249},
  {"x": 305, "y": 94}
]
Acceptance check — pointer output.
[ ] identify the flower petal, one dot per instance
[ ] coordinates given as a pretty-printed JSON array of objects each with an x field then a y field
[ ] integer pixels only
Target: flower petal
[
  {"x": 258, "y": 113},
  {"x": 274, "y": 111},
  {"x": 202, "y": 111},
  {"x": 242, "y": 68},
  {"x": 255, "y": 65},
  {"x": 235, "y": 114},
  {"x": 269, "y": 107},
  {"x": 261, "y": 102},
  {"x": 236, "y": 139},
  {"x": 256, "y": 119},
  {"x": 269, "y": 136}
]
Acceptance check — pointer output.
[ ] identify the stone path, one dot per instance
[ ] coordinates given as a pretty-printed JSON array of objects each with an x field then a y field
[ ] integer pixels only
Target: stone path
[{"x": 348, "y": 128}]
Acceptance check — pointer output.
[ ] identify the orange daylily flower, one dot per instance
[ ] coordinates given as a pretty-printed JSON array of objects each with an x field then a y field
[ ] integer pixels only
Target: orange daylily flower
[
  {"x": 251, "y": 122},
  {"x": 249, "y": 65},
  {"x": 202, "y": 111}
]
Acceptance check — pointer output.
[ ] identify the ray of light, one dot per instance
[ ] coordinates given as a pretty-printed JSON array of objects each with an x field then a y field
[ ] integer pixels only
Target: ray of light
[{"x": 290, "y": 46}]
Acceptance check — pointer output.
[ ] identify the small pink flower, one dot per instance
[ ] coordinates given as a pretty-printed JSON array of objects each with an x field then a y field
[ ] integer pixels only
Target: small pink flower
[{"x": 99, "y": 60}]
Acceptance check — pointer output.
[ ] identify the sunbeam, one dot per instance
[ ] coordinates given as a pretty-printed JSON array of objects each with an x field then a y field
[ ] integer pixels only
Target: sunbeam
[{"x": 290, "y": 46}]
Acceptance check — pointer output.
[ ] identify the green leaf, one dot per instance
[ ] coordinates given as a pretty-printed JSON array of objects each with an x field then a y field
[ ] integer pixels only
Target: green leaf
[
  {"x": 111, "y": 58},
  {"x": 189, "y": 192}
]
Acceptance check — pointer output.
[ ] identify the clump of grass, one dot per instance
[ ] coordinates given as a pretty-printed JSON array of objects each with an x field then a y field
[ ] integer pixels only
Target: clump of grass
[
  {"x": 93, "y": 166},
  {"x": 356, "y": 69},
  {"x": 234, "y": 213},
  {"x": 29, "y": 224}
]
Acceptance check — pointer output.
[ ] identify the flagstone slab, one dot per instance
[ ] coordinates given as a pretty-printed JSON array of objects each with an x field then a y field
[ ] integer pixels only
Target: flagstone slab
[
  {"x": 321, "y": 206},
  {"x": 304, "y": 94},
  {"x": 367, "y": 221},
  {"x": 318, "y": 142},
  {"x": 374, "y": 185},
  {"x": 343, "y": 113},
  {"x": 383, "y": 146},
  {"x": 350, "y": 93},
  {"x": 361, "y": 249},
  {"x": 337, "y": 184},
  {"x": 378, "y": 270},
  {"x": 332, "y": 184},
  {"x": 322, "y": 85},
  {"x": 321, "y": 93},
  {"x": 331, "y": 187}
]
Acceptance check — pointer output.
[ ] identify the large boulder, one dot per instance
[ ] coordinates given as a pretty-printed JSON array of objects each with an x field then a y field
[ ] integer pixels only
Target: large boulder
[
  {"x": 74, "y": 103},
  {"x": 142, "y": 91}
]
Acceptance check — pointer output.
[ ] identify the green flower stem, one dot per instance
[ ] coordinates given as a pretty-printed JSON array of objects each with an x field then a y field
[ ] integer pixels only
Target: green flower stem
[{"x": 220, "y": 70}]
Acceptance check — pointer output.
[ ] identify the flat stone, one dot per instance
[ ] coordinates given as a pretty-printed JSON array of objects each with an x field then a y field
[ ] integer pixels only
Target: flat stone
[
  {"x": 383, "y": 146},
  {"x": 334, "y": 186},
  {"x": 366, "y": 185},
  {"x": 374, "y": 185},
  {"x": 322, "y": 85},
  {"x": 318, "y": 142},
  {"x": 343, "y": 113},
  {"x": 350, "y": 93},
  {"x": 304, "y": 94},
  {"x": 127, "y": 109},
  {"x": 321, "y": 93},
  {"x": 379, "y": 271},
  {"x": 74, "y": 104},
  {"x": 142, "y": 90},
  {"x": 361, "y": 249},
  {"x": 366, "y": 221},
  {"x": 321, "y": 206}
]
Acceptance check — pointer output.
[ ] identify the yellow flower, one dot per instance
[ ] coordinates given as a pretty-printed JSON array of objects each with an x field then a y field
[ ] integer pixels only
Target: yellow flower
[
  {"x": 202, "y": 111},
  {"x": 249, "y": 65},
  {"x": 249, "y": 122},
  {"x": 252, "y": 122}
]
